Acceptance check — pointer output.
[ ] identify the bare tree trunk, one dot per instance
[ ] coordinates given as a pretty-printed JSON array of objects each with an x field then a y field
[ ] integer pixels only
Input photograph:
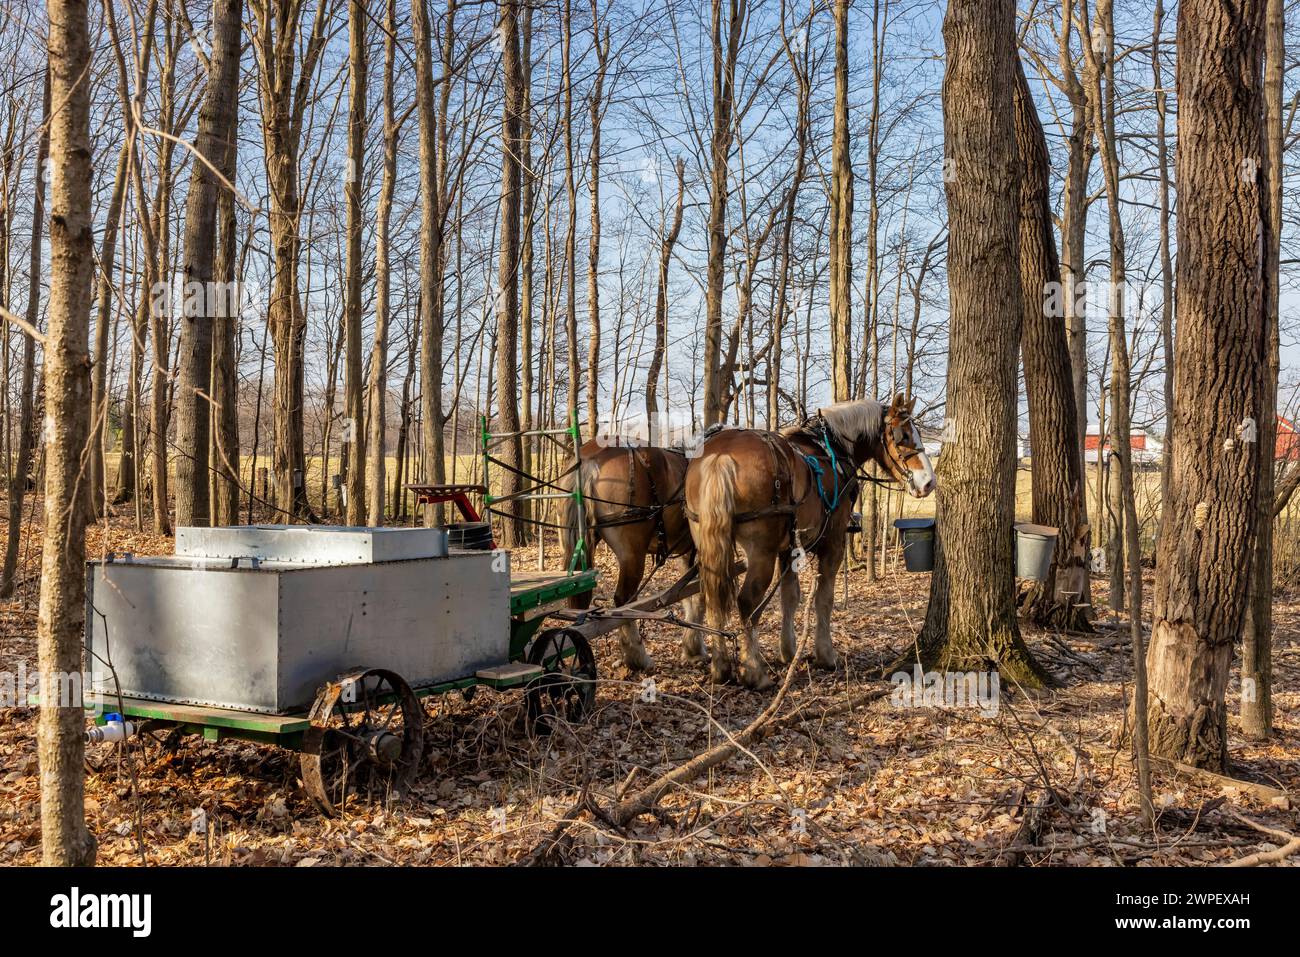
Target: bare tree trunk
[
  {"x": 596, "y": 110},
  {"x": 724, "y": 87},
  {"x": 571, "y": 222},
  {"x": 200, "y": 311},
  {"x": 1099, "y": 48},
  {"x": 841, "y": 239},
  {"x": 284, "y": 95},
  {"x": 799, "y": 65},
  {"x": 871, "y": 345},
  {"x": 65, "y": 840},
  {"x": 1257, "y": 642},
  {"x": 1100, "y": 78},
  {"x": 103, "y": 323},
  {"x": 353, "y": 387},
  {"x": 433, "y": 187},
  {"x": 666, "y": 243},
  {"x": 510, "y": 451},
  {"x": 527, "y": 258},
  {"x": 226, "y": 480},
  {"x": 1166, "y": 262},
  {"x": 1074, "y": 226},
  {"x": 27, "y": 392},
  {"x": 971, "y": 618},
  {"x": 378, "y": 397},
  {"x": 1207, "y": 536},
  {"x": 1058, "y": 485}
]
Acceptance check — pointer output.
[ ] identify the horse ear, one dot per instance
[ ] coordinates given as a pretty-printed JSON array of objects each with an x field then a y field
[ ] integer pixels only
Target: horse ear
[
  {"x": 911, "y": 404},
  {"x": 899, "y": 401}
]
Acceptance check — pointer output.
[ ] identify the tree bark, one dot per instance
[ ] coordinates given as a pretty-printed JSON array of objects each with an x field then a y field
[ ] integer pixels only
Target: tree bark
[
  {"x": 1207, "y": 535},
  {"x": 284, "y": 95},
  {"x": 1058, "y": 487},
  {"x": 200, "y": 310},
  {"x": 226, "y": 480},
  {"x": 841, "y": 238},
  {"x": 510, "y": 450},
  {"x": 971, "y": 618},
  {"x": 1075, "y": 203},
  {"x": 596, "y": 111},
  {"x": 27, "y": 392},
  {"x": 657, "y": 358},
  {"x": 724, "y": 86},
  {"x": 1166, "y": 261},
  {"x": 353, "y": 386},
  {"x": 378, "y": 394},
  {"x": 65, "y": 840},
  {"x": 103, "y": 323},
  {"x": 1257, "y": 641},
  {"x": 571, "y": 223}
]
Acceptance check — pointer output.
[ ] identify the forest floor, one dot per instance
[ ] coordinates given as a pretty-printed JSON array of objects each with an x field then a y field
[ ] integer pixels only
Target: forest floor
[{"x": 1039, "y": 782}]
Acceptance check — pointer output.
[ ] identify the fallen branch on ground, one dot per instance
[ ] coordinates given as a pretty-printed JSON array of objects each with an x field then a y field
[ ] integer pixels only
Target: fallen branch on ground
[{"x": 1290, "y": 845}]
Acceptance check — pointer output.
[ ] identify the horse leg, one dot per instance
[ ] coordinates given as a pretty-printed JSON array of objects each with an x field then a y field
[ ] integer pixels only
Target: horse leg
[
  {"x": 762, "y": 563},
  {"x": 789, "y": 605},
  {"x": 828, "y": 565},
  {"x": 692, "y": 644},
  {"x": 631, "y": 569}
]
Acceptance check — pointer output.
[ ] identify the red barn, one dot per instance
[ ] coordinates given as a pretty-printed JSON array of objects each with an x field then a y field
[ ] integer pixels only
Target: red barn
[{"x": 1287, "y": 447}]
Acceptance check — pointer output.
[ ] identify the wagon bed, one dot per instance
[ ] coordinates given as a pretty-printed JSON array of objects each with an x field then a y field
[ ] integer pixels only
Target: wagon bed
[{"x": 533, "y": 595}]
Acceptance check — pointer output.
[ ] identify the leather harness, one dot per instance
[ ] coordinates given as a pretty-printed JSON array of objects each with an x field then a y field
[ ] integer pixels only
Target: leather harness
[
  {"x": 635, "y": 514},
  {"x": 845, "y": 478}
]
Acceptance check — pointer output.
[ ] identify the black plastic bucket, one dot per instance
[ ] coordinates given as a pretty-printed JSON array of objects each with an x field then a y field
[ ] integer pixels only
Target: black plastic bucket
[
  {"x": 917, "y": 535},
  {"x": 474, "y": 536}
]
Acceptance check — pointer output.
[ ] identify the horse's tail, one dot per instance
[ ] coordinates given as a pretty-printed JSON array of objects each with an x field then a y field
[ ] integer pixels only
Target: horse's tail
[
  {"x": 579, "y": 478},
  {"x": 715, "y": 541}
]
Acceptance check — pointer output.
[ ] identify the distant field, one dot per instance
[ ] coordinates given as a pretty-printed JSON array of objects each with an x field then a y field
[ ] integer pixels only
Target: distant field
[{"x": 467, "y": 468}]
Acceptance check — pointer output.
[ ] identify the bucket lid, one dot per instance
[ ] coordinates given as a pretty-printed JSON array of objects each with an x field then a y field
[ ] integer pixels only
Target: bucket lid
[
  {"x": 909, "y": 523},
  {"x": 1037, "y": 531}
]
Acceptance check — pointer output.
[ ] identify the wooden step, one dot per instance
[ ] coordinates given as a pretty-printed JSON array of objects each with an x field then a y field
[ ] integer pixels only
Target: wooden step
[{"x": 508, "y": 676}]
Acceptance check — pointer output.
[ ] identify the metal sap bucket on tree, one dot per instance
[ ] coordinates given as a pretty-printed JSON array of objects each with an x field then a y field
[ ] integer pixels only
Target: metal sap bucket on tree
[
  {"x": 1035, "y": 546},
  {"x": 917, "y": 537}
]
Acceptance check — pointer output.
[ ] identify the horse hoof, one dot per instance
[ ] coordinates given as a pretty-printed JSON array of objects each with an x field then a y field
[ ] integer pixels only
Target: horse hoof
[
  {"x": 756, "y": 679},
  {"x": 694, "y": 657},
  {"x": 639, "y": 661},
  {"x": 827, "y": 664},
  {"x": 720, "y": 671}
]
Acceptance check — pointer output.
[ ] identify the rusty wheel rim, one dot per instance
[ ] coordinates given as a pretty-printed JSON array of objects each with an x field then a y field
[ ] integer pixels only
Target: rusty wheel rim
[{"x": 366, "y": 736}]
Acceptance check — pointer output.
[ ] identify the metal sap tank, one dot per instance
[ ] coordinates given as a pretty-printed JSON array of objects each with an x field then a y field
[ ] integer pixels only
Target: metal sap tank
[{"x": 264, "y": 633}]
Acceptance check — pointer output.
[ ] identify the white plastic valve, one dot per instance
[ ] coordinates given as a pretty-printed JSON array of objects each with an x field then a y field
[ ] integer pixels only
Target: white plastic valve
[{"x": 112, "y": 731}]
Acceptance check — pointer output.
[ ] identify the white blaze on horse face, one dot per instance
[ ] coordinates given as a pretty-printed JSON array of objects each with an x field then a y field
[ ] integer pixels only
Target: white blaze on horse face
[{"x": 921, "y": 482}]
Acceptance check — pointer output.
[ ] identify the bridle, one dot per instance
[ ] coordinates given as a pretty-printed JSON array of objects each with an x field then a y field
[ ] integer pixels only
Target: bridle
[{"x": 899, "y": 433}]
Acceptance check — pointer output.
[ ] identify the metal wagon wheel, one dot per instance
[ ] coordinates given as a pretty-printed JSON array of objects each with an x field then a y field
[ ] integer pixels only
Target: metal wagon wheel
[
  {"x": 367, "y": 732},
  {"x": 566, "y": 689}
]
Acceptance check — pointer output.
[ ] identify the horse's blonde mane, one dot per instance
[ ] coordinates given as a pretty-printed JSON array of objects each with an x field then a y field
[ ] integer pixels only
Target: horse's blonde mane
[{"x": 852, "y": 421}]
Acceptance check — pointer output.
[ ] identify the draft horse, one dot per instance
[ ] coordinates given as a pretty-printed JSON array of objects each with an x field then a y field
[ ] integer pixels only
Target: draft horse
[
  {"x": 779, "y": 495},
  {"x": 634, "y": 504}
]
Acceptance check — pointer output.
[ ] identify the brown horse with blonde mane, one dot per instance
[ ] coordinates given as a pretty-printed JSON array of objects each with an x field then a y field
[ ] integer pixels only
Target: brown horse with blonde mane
[
  {"x": 633, "y": 500},
  {"x": 779, "y": 496}
]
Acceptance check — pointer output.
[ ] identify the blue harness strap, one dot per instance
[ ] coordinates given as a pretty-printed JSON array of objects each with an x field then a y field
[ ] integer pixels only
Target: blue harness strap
[{"x": 818, "y": 471}]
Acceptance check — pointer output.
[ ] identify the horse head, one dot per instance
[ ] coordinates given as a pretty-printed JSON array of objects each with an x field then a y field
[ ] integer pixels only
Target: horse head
[
  {"x": 901, "y": 450},
  {"x": 885, "y": 434}
]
